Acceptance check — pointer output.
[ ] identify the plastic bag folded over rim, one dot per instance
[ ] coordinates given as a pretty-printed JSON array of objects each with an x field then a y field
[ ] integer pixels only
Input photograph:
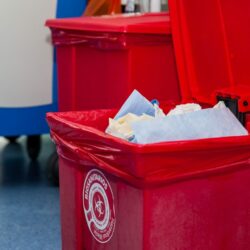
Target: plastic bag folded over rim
[{"x": 80, "y": 138}]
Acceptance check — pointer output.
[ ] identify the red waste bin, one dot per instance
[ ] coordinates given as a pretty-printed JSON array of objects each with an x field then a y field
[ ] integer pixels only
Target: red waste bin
[
  {"x": 174, "y": 195},
  {"x": 117, "y": 195},
  {"x": 102, "y": 59}
]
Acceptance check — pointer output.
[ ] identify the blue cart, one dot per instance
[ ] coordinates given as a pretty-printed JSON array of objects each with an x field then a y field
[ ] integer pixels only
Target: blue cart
[
  {"x": 26, "y": 89},
  {"x": 28, "y": 76}
]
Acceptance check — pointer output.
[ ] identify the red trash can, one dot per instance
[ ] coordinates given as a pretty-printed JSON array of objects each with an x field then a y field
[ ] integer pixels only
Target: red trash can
[
  {"x": 117, "y": 195},
  {"x": 102, "y": 59}
]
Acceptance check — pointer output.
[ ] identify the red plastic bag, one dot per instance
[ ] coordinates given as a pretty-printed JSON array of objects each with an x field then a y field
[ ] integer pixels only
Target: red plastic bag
[
  {"x": 80, "y": 137},
  {"x": 102, "y": 7}
]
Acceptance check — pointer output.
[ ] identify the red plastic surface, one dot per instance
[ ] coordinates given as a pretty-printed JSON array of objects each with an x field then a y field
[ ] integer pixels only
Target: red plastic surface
[
  {"x": 81, "y": 134},
  {"x": 100, "y": 69},
  {"x": 212, "y": 49},
  {"x": 175, "y": 195},
  {"x": 127, "y": 23}
]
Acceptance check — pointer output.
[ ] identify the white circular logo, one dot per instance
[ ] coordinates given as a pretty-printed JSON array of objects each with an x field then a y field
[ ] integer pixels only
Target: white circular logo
[{"x": 98, "y": 205}]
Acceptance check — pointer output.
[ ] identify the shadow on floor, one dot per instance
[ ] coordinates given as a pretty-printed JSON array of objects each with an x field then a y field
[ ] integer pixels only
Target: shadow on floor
[{"x": 29, "y": 206}]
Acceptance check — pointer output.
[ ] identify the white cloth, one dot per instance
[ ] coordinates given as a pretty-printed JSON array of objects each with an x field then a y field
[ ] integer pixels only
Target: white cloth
[
  {"x": 184, "y": 108},
  {"x": 122, "y": 127}
]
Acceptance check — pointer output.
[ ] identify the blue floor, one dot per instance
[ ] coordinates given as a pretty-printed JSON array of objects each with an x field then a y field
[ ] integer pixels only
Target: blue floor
[{"x": 29, "y": 205}]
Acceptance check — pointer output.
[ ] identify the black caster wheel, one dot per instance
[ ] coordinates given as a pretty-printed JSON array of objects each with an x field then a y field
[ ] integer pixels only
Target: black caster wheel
[
  {"x": 33, "y": 146},
  {"x": 53, "y": 169},
  {"x": 12, "y": 139}
]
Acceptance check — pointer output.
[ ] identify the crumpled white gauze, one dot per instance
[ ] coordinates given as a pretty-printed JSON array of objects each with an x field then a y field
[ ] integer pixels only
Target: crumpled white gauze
[
  {"x": 205, "y": 123},
  {"x": 122, "y": 127},
  {"x": 184, "y": 108},
  {"x": 136, "y": 104}
]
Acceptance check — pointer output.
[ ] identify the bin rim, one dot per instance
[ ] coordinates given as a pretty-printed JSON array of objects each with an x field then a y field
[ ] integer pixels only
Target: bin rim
[
  {"x": 148, "y": 23},
  {"x": 171, "y": 146},
  {"x": 143, "y": 165}
]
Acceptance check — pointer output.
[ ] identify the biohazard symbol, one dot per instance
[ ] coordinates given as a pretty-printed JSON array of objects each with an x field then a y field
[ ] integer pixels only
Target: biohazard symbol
[{"x": 99, "y": 206}]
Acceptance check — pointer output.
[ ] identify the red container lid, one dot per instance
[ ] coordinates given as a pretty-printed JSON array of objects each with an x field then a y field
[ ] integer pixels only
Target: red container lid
[
  {"x": 212, "y": 46},
  {"x": 157, "y": 23}
]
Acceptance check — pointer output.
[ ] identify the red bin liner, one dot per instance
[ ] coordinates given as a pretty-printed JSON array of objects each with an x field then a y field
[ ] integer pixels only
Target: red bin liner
[{"x": 80, "y": 137}]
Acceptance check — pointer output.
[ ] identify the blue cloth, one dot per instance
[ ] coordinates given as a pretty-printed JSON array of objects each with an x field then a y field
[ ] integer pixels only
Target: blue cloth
[
  {"x": 136, "y": 104},
  {"x": 205, "y": 123}
]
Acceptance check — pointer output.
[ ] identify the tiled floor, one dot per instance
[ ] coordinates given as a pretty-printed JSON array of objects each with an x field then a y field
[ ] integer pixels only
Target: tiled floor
[{"x": 29, "y": 206}]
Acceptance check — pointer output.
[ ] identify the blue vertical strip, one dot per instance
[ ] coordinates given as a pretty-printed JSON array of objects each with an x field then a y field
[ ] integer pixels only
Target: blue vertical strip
[{"x": 70, "y": 8}]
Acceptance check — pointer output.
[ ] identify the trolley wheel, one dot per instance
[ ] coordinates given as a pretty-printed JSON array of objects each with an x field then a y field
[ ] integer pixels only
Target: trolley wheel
[
  {"x": 33, "y": 146},
  {"x": 53, "y": 169},
  {"x": 12, "y": 138}
]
